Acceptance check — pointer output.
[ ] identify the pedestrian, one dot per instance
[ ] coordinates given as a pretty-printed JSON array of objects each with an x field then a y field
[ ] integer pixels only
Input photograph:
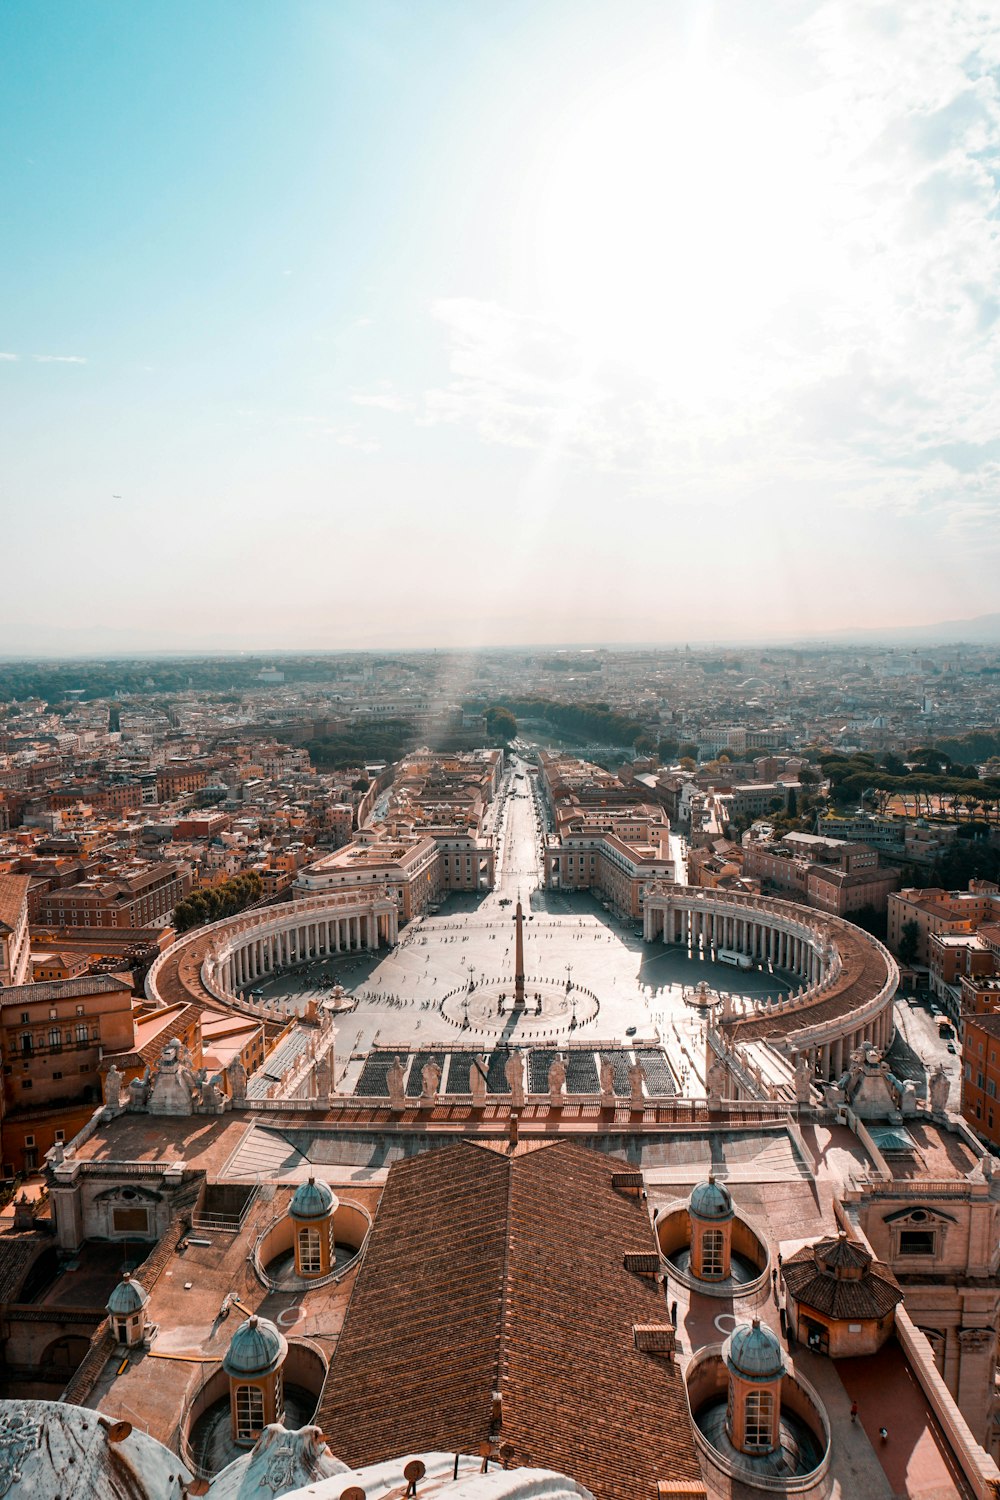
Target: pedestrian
[{"x": 883, "y": 1433}]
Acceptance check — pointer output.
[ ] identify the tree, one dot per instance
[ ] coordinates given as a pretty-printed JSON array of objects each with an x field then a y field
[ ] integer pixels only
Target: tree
[
  {"x": 361, "y": 784},
  {"x": 793, "y": 803},
  {"x": 644, "y": 744},
  {"x": 501, "y": 724},
  {"x": 687, "y": 763},
  {"x": 689, "y": 752},
  {"x": 909, "y": 942},
  {"x": 667, "y": 749}
]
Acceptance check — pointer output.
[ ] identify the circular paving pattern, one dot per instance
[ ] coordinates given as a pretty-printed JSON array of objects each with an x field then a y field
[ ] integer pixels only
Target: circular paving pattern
[{"x": 490, "y": 1007}]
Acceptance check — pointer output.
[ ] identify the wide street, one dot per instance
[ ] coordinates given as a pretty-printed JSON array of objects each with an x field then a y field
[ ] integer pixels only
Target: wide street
[{"x": 570, "y": 941}]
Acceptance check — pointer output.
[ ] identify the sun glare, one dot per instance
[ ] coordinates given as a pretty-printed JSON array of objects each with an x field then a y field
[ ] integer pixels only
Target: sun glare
[{"x": 676, "y": 212}]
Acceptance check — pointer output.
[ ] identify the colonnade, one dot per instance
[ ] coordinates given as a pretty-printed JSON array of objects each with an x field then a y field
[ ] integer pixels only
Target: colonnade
[
  {"x": 828, "y": 1060},
  {"x": 851, "y": 1011},
  {"x": 252, "y": 955},
  {"x": 758, "y": 936}
]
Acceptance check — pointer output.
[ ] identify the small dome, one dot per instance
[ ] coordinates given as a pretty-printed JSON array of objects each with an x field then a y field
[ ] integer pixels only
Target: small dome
[
  {"x": 313, "y": 1200},
  {"x": 711, "y": 1200},
  {"x": 754, "y": 1351},
  {"x": 256, "y": 1348},
  {"x": 128, "y": 1297}
]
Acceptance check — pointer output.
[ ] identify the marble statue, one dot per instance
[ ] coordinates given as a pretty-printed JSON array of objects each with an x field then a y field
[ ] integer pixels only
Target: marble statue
[
  {"x": 717, "y": 1080},
  {"x": 940, "y": 1088},
  {"x": 607, "y": 1084},
  {"x": 113, "y": 1090},
  {"x": 514, "y": 1073},
  {"x": 237, "y": 1081},
  {"x": 394, "y": 1080},
  {"x": 138, "y": 1090},
  {"x": 636, "y": 1079},
  {"x": 430, "y": 1079},
  {"x": 477, "y": 1079},
  {"x": 557, "y": 1082},
  {"x": 803, "y": 1079}
]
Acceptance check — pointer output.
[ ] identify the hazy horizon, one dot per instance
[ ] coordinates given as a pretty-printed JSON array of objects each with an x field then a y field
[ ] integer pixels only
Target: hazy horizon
[
  {"x": 372, "y": 325},
  {"x": 938, "y": 634}
]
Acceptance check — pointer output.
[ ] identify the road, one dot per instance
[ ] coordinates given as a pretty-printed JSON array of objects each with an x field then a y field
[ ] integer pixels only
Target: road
[{"x": 917, "y": 1049}]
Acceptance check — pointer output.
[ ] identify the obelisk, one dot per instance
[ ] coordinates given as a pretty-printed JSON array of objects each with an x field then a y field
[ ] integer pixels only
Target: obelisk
[{"x": 519, "y": 957}]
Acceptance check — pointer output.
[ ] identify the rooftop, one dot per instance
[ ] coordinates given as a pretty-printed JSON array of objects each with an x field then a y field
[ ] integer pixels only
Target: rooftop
[{"x": 508, "y": 1251}]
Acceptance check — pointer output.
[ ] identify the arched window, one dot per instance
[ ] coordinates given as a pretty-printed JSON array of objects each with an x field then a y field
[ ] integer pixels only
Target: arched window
[
  {"x": 758, "y": 1412},
  {"x": 711, "y": 1252},
  {"x": 310, "y": 1252},
  {"x": 249, "y": 1413}
]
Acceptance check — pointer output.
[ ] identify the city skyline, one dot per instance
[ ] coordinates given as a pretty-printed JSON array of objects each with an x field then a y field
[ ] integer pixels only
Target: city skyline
[{"x": 361, "y": 326}]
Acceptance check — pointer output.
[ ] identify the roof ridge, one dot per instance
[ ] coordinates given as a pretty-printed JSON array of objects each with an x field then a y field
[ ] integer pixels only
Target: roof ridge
[{"x": 501, "y": 1364}]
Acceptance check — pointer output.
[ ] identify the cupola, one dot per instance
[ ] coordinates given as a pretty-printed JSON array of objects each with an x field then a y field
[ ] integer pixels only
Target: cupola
[
  {"x": 126, "y": 1309},
  {"x": 253, "y": 1363}
]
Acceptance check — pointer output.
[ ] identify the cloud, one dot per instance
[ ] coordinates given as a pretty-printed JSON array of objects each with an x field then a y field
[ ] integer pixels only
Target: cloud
[
  {"x": 9, "y": 356},
  {"x": 871, "y": 378},
  {"x": 384, "y": 400},
  {"x": 59, "y": 359}
]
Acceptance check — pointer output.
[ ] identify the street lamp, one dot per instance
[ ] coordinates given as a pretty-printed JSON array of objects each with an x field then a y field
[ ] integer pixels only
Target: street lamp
[{"x": 569, "y": 978}]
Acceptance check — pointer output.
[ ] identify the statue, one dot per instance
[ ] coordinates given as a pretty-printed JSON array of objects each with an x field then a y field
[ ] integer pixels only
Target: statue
[
  {"x": 138, "y": 1090},
  {"x": 717, "y": 1080},
  {"x": 803, "y": 1079},
  {"x": 514, "y": 1073},
  {"x": 477, "y": 1080},
  {"x": 175, "y": 1089},
  {"x": 607, "y": 1084},
  {"x": 430, "y": 1079},
  {"x": 557, "y": 1083},
  {"x": 636, "y": 1079},
  {"x": 323, "y": 1077},
  {"x": 394, "y": 1080},
  {"x": 940, "y": 1088},
  {"x": 113, "y": 1089},
  {"x": 212, "y": 1099},
  {"x": 237, "y": 1081}
]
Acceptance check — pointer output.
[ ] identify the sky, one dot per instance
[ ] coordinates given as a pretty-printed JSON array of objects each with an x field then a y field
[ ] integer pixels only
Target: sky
[{"x": 437, "y": 322}]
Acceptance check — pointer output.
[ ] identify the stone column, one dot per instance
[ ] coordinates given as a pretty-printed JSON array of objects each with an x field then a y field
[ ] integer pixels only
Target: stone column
[{"x": 372, "y": 941}]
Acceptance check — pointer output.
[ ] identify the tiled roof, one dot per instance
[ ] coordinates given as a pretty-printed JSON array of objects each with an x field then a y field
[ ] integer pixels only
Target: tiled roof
[
  {"x": 487, "y": 1273},
  {"x": 872, "y": 1296},
  {"x": 13, "y": 892},
  {"x": 63, "y": 989},
  {"x": 17, "y": 1252}
]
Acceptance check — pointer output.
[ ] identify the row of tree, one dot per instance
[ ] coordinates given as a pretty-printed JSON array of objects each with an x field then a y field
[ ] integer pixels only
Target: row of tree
[
  {"x": 930, "y": 786},
  {"x": 217, "y": 901},
  {"x": 381, "y": 740},
  {"x": 595, "y": 722}
]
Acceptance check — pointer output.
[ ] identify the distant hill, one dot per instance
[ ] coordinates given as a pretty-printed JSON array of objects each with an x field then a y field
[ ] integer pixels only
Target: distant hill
[{"x": 981, "y": 630}]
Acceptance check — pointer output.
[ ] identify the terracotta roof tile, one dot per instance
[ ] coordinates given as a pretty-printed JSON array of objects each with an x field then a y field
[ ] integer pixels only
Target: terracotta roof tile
[
  {"x": 13, "y": 894},
  {"x": 486, "y": 1273}
]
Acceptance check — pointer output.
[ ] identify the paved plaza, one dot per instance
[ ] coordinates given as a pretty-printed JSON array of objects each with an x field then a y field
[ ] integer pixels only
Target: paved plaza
[{"x": 439, "y": 989}]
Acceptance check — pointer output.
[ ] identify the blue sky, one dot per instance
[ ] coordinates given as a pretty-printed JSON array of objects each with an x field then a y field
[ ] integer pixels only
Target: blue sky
[{"x": 437, "y": 323}]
